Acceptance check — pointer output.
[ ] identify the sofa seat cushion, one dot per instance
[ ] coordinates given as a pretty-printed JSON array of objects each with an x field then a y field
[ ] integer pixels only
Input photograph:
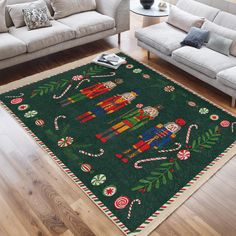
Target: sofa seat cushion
[
  {"x": 87, "y": 23},
  {"x": 163, "y": 37},
  {"x": 10, "y": 46},
  {"x": 45, "y": 37},
  {"x": 204, "y": 60},
  {"x": 228, "y": 77}
]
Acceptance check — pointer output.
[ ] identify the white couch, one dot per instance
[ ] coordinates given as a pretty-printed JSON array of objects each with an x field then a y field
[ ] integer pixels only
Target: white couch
[
  {"x": 207, "y": 65},
  {"x": 20, "y": 45}
]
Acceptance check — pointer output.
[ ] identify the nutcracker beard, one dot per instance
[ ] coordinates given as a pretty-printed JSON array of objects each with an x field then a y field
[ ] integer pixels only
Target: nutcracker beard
[{"x": 154, "y": 138}]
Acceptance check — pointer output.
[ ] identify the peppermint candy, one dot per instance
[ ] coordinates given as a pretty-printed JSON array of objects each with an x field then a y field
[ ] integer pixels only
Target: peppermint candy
[
  {"x": 23, "y": 107},
  {"x": 183, "y": 155},
  {"x": 109, "y": 191},
  {"x": 225, "y": 123},
  {"x": 40, "y": 122},
  {"x": 16, "y": 101},
  {"x": 86, "y": 167},
  {"x": 98, "y": 179},
  {"x": 65, "y": 142},
  {"x": 121, "y": 202}
]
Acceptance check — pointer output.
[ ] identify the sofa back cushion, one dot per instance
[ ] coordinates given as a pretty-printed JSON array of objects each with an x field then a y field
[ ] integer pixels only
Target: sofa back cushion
[
  {"x": 9, "y": 22},
  {"x": 226, "y": 19},
  {"x": 198, "y": 9},
  {"x": 16, "y": 11},
  {"x": 184, "y": 20},
  {"x": 3, "y": 27},
  {"x": 63, "y": 8},
  {"x": 225, "y": 32}
]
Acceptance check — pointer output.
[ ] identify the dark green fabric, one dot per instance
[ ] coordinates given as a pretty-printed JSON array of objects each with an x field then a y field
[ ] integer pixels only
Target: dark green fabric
[{"x": 158, "y": 181}]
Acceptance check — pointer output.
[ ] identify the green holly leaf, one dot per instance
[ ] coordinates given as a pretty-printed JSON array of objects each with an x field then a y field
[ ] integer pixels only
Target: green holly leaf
[
  {"x": 144, "y": 181},
  {"x": 164, "y": 179},
  {"x": 170, "y": 176},
  {"x": 157, "y": 184},
  {"x": 137, "y": 187}
]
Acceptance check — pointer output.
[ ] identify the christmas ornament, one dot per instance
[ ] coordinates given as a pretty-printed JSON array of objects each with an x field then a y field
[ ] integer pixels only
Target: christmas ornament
[
  {"x": 30, "y": 114},
  {"x": 121, "y": 202},
  {"x": 203, "y": 111},
  {"x": 214, "y": 117},
  {"x": 40, "y": 122},
  {"x": 86, "y": 167},
  {"x": 225, "y": 123},
  {"x": 131, "y": 207},
  {"x": 65, "y": 142},
  {"x": 109, "y": 191},
  {"x": 169, "y": 89},
  {"x": 192, "y": 104},
  {"x": 23, "y": 107},
  {"x": 98, "y": 180}
]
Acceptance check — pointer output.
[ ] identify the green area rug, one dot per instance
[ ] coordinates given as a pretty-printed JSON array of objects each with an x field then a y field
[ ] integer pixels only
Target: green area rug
[{"x": 137, "y": 143}]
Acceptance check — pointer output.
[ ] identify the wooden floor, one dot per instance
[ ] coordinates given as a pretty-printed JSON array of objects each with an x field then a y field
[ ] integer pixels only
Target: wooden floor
[{"x": 37, "y": 198}]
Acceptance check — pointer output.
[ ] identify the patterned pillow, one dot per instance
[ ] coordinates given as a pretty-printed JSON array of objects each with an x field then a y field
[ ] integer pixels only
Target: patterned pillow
[{"x": 36, "y": 18}]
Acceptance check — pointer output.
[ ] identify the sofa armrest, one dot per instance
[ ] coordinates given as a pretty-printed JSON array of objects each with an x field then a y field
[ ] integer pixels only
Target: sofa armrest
[{"x": 117, "y": 9}]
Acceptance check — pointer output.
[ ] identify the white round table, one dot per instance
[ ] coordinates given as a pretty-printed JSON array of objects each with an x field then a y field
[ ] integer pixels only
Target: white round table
[{"x": 150, "y": 16}]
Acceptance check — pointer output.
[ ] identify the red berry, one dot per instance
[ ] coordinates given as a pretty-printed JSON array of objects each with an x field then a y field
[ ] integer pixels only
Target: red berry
[{"x": 172, "y": 170}]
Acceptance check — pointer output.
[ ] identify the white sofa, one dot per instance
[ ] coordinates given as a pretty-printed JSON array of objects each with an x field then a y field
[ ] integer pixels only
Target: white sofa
[
  {"x": 207, "y": 65},
  {"x": 20, "y": 45}
]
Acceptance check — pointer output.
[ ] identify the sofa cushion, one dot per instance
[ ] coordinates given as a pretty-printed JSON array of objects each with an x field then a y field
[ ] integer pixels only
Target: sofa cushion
[
  {"x": 163, "y": 37},
  {"x": 87, "y": 23},
  {"x": 198, "y": 9},
  {"x": 45, "y": 37},
  {"x": 228, "y": 77},
  {"x": 10, "y": 46},
  {"x": 226, "y": 19},
  {"x": 225, "y": 32},
  {"x": 3, "y": 27},
  {"x": 184, "y": 20},
  {"x": 204, "y": 60},
  {"x": 16, "y": 11},
  {"x": 63, "y": 8}
]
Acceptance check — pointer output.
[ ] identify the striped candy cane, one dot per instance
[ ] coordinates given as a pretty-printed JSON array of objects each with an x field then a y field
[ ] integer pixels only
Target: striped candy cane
[
  {"x": 92, "y": 155},
  {"x": 171, "y": 150},
  {"x": 137, "y": 166},
  {"x": 100, "y": 76},
  {"x": 131, "y": 207},
  {"x": 81, "y": 83},
  {"x": 64, "y": 92},
  {"x": 189, "y": 132},
  {"x": 56, "y": 121},
  {"x": 232, "y": 126},
  {"x": 17, "y": 96}
]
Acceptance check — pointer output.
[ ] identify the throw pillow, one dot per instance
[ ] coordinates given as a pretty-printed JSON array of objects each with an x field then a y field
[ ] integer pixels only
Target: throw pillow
[
  {"x": 196, "y": 38},
  {"x": 63, "y": 8},
  {"x": 16, "y": 12},
  {"x": 36, "y": 18},
  {"x": 225, "y": 32},
  {"x": 219, "y": 44},
  {"x": 3, "y": 27},
  {"x": 184, "y": 20}
]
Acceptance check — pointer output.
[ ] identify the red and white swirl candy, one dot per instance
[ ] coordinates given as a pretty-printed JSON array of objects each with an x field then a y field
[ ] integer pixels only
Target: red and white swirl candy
[
  {"x": 183, "y": 155},
  {"x": 65, "y": 142},
  {"x": 121, "y": 202},
  {"x": 16, "y": 101}
]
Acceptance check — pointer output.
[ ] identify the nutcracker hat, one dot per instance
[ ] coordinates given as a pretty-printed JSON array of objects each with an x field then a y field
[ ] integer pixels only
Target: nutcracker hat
[{"x": 135, "y": 93}]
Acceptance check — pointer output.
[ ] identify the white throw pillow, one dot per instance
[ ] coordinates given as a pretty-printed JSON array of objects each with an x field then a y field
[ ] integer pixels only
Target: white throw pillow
[
  {"x": 184, "y": 20},
  {"x": 225, "y": 32},
  {"x": 63, "y": 8},
  {"x": 16, "y": 11},
  {"x": 3, "y": 27}
]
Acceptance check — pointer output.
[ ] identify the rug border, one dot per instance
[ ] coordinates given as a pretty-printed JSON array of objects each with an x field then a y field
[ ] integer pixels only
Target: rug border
[{"x": 168, "y": 208}]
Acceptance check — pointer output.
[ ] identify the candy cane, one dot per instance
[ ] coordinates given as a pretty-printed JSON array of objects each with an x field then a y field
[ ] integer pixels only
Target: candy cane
[
  {"x": 65, "y": 91},
  {"x": 99, "y": 76},
  {"x": 171, "y": 150},
  {"x": 82, "y": 82},
  {"x": 56, "y": 121},
  {"x": 189, "y": 132},
  {"x": 136, "y": 164},
  {"x": 92, "y": 155},
  {"x": 18, "y": 96},
  {"x": 232, "y": 126},
  {"x": 131, "y": 207}
]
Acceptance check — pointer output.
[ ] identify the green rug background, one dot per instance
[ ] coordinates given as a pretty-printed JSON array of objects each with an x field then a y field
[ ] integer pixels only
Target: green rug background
[{"x": 123, "y": 176}]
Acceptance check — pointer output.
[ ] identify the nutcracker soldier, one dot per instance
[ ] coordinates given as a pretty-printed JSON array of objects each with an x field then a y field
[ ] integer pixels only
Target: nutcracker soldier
[
  {"x": 132, "y": 120},
  {"x": 108, "y": 106},
  {"x": 92, "y": 92},
  {"x": 156, "y": 138}
]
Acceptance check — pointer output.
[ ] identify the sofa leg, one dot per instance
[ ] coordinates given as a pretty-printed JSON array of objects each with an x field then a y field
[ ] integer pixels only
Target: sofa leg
[
  {"x": 233, "y": 102},
  {"x": 148, "y": 55},
  {"x": 119, "y": 38}
]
